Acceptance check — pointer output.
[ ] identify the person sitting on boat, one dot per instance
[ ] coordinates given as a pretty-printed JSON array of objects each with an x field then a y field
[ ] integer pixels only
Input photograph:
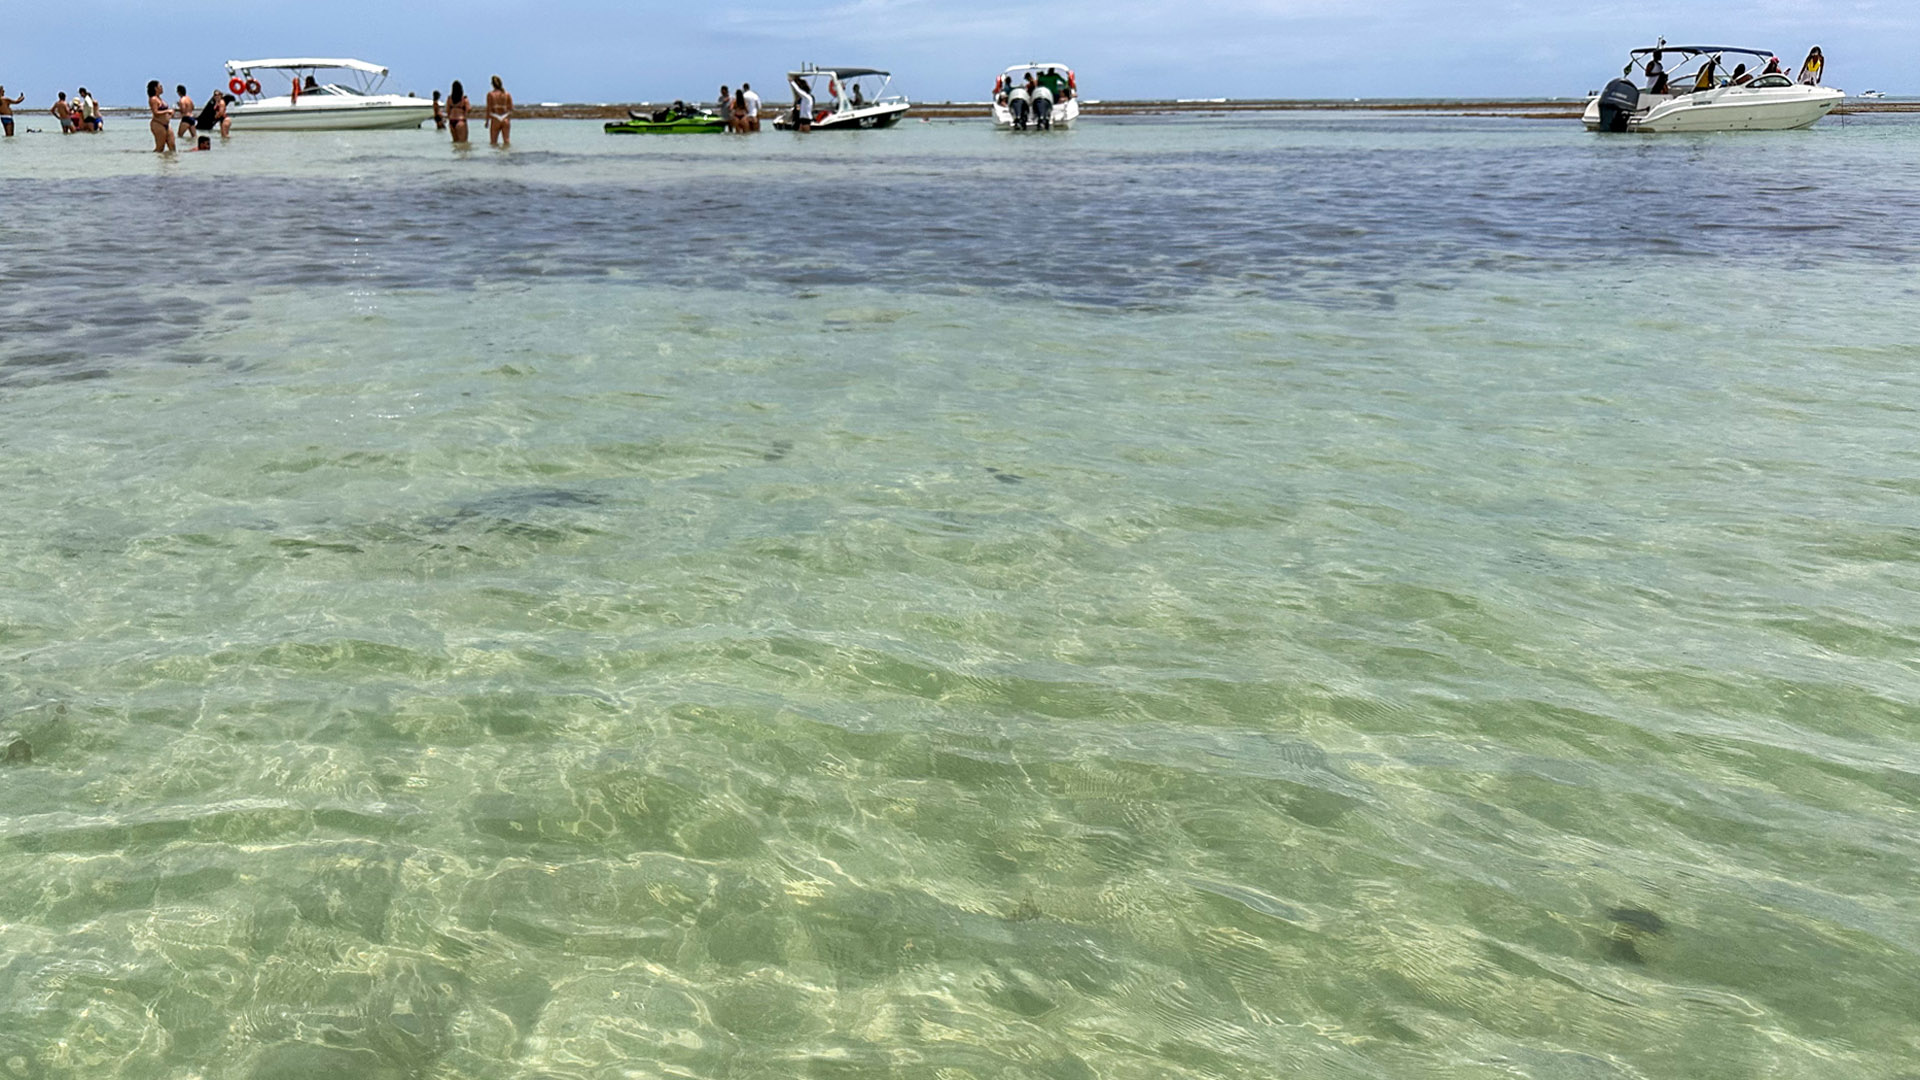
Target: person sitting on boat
[
  {"x": 1740, "y": 76},
  {"x": 1704, "y": 80},
  {"x": 1814, "y": 67},
  {"x": 855, "y": 96},
  {"x": 1773, "y": 66},
  {"x": 1055, "y": 84}
]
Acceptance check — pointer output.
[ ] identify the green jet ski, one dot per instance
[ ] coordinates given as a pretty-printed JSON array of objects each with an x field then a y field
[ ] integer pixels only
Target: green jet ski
[{"x": 676, "y": 119}]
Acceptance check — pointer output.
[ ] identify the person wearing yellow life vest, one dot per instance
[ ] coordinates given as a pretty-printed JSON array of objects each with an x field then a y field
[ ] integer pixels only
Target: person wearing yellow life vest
[{"x": 1812, "y": 68}]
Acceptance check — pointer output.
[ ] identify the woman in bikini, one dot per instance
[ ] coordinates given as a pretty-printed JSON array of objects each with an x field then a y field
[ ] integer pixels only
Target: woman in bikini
[
  {"x": 457, "y": 113},
  {"x": 739, "y": 124},
  {"x": 499, "y": 115},
  {"x": 162, "y": 119}
]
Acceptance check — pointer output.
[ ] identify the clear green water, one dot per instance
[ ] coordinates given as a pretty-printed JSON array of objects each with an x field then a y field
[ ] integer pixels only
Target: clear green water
[{"x": 1423, "y": 625}]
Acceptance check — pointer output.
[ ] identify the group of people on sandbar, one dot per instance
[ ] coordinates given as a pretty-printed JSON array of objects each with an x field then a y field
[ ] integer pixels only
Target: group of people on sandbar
[
  {"x": 452, "y": 117},
  {"x": 1710, "y": 75},
  {"x": 1032, "y": 99}
]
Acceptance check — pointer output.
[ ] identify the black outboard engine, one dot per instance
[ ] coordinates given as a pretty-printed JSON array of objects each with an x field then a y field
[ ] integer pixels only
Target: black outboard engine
[{"x": 1617, "y": 103}]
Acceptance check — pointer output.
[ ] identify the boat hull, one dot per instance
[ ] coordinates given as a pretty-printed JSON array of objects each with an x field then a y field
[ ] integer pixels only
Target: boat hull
[
  {"x": 329, "y": 115},
  {"x": 870, "y": 118},
  {"x": 1065, "y": 114},
  {"x": 1727, "y": 108}
]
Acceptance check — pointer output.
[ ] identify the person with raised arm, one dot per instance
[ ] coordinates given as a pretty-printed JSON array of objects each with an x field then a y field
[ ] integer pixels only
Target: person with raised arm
[{"x": 6, "y": 110}]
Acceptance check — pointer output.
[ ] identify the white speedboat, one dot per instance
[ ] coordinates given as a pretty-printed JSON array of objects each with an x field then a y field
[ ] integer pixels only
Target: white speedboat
[
  {"x": 1066, "y": 93},
  {"x": 312, "y": 105},
  {"x": 1874, "y": 94},
  {"x": 846, "y": 99},
  {"x": 1694, "y": 88}
]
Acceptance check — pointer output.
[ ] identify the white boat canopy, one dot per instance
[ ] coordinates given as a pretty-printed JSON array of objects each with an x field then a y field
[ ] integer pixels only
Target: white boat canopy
[
  {"x": 306, "y": 64},
  {"x": 1036, "y": 66}
]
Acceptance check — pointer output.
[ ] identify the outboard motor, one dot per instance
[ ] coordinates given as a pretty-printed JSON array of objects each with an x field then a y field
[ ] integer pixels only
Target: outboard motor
[{"x": 1617, "y": 103}]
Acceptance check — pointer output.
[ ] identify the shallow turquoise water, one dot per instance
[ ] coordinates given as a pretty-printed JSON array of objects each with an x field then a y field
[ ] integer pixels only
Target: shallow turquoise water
[{"x": 1322, "y": 597}]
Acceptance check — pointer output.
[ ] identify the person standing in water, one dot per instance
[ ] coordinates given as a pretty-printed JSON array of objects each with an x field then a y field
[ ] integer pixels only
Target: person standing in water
[
  {"x": 802, "y": 104},
  {"x": 220, "y": 114},
  {"x": 89, "y": 112},
  {"x": 63, "y": 114},
  {"x": 439, "y": 115},
  {"x": 753, "y": 106},
  {"x": 6, "y": 110},
  {"x": 186, "y": 111},
  {"x": 457, "y": 106},
  {"x": 499, "y": 115},
  {"x": 161, "y": 122}
]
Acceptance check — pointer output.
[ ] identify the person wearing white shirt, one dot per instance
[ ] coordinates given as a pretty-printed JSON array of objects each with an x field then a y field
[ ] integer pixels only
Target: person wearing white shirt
[
  {"x": 753, "y": 106},
  {"x": 802, "y": 106}
]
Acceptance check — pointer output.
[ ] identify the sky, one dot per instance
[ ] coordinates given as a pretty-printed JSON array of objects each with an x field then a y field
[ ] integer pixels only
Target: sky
[{"x": 940, "y": 50}]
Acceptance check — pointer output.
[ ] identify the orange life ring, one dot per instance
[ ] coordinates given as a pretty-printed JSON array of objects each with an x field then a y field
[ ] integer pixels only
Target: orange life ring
[
  {"x": 997, "y": 82},
  {"x": 237, "y": 85},
  {"x": 253, "y": 86},
  {"x": 1070, "y": 83}
]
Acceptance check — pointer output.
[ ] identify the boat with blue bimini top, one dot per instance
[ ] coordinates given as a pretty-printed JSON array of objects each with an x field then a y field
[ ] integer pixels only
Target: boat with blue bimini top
[
  {"x": 311, "y": 105},
  {"x": 844, "y": 99},
  {"x": 1700, "y": 93}
]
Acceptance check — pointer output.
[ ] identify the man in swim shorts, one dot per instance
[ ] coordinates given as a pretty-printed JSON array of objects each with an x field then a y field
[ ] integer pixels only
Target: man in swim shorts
[
  {"x": 186, "y": 113},
  {"x": 64, "y": 113},
  {"x": 6, "y": 110}
]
